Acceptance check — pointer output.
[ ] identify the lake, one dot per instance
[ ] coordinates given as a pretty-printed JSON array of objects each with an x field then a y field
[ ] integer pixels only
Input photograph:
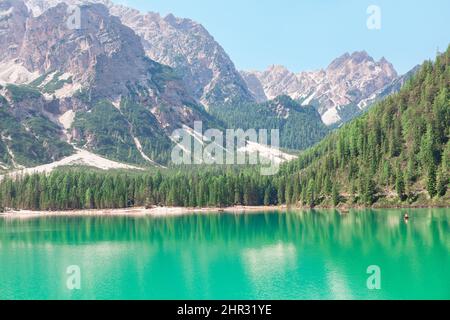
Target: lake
[{"x": 269, "y": 255}]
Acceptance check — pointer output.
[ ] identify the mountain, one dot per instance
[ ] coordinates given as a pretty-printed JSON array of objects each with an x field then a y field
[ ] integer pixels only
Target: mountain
[
  {"x": 185, "y": 45},
  {"x": 398, "y": 151},
  {"x": 122, "y": 81},
  {"x": 98, "y": 88},
  {"x": 396, "y": 154},
  {"x": 342, "y": 90},
  {"x": 300, "y": 126},
  {"x": 94, "y": 86}
]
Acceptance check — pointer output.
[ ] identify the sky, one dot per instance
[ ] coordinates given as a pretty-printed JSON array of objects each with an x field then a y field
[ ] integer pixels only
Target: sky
[{"x": 308, "y": 34}]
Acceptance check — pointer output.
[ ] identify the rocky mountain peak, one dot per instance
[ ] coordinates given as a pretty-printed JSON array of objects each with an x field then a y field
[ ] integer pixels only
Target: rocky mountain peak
[
  {"x": 102, "y": 54},
  {"x": 92, "y": 83},
  {"x": 348, "y": 82},
  {"x": 360, "y": 56},
  {"x": 185, "y": 45},
  {"x": 339, "y": 61}
]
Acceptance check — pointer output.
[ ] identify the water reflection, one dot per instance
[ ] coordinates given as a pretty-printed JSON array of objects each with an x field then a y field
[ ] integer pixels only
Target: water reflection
[{"x": 292, "y": 255}]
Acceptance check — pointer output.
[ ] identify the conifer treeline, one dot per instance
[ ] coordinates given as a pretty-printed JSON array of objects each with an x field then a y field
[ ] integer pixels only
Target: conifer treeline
[
  {"x": 76, "y": 189},
  {"x": 400, "y": 147}
]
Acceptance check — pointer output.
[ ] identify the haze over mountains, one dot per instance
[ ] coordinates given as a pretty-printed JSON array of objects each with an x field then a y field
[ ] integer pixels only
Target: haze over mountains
[{"x": 119, "y": 85}]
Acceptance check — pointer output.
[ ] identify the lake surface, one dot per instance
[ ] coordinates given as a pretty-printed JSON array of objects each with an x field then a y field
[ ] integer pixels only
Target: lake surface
[{"x": 276, "y": 255}]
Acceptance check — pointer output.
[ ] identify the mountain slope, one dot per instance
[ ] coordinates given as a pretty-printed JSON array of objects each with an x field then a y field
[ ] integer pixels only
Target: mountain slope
[
  {"x": 398, "y": 151},
  {"x": 77, "y": 73},
  {"x": 300, "y": 126},
  {"x": 27, "y": 136},
  {"x": 349, "y": 82}
]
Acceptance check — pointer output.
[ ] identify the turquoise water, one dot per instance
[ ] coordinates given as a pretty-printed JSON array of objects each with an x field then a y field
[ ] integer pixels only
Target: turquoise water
[{"x": 277, "y": 255}]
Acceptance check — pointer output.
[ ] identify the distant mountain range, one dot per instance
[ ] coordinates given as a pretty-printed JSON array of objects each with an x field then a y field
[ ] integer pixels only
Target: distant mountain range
[
  {"x": 119, "y": 85},
  {"x": 341, "y": 91}
]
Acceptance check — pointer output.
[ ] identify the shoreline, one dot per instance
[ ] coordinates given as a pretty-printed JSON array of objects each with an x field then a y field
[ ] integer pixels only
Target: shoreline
[
  {"x": 180, "y": 211},
  {"x": 139, "y": 211}
]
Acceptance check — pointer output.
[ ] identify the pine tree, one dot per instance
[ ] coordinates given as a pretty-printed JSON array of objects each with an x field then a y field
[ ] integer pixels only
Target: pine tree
[
  {"x": 335, "y": 194},
  {"x": 288, "y": 190},
  {"x": 89, "y": 199},
  {"x": 310, "y": 194},
  {"x": 411, "y": 170},
  {"x": 431, "y": 181},
  {"x": 368, "y": 190},
  {"x": 267, "y": 196},
  {"x": 442, "y": 183},
  {"x": 400, "y": 185}
]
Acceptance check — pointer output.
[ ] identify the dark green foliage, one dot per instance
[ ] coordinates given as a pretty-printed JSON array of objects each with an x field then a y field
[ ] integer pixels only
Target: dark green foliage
[
  {"x": 335, "y": 195},
  {"x": 83, "y": 95},
  {"x": 300, "y": 126},
  {"x": 442, "y": 182},
  {"x": 104, "y": 130},
  {"x": 34, "y": 142},
  {"x": 431, "y": 181},
  {"x": 55, "y": 84},
  {"x": 110, "y": 131},
  {"x": 22, "y": 92},
  {"x": 144, "y": 126},
  {"x": 48, "y": 134},
  {"x": 400, "y": 186},
  {"x": 38, "y": 81},
  {"x": 84, "y": 189},
  {"x": 3, "y": 102}
]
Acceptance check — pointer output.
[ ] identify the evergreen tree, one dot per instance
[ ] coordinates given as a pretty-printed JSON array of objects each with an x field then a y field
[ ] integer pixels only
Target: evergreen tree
[
  {"x": 442, "y": 182},
  {"x": 335, "y": 194},
  {"x": 310, "y": 194},
  {"x": 267, "y": 196},
  {"x": 431, "y": 181},
  {"x": 400, "y": 185}
]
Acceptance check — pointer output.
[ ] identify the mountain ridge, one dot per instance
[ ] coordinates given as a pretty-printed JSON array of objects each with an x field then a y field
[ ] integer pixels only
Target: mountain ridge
[
  {"x": 349, "y": 80},
  {"x": 207, "y": 70}
]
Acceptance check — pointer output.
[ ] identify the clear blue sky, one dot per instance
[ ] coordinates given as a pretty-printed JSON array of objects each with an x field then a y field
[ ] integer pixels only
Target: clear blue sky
[{"x": 306, "y": 35}]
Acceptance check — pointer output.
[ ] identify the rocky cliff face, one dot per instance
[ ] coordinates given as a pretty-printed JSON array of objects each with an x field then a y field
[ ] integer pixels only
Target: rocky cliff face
[
  {"x": 13, "y": 17},
  {"x": 350, "y": 81},
  {"x": 101, "y": 64},
  {"x": 188, "y": 47},
  {"x": 208, "y": 73}
]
